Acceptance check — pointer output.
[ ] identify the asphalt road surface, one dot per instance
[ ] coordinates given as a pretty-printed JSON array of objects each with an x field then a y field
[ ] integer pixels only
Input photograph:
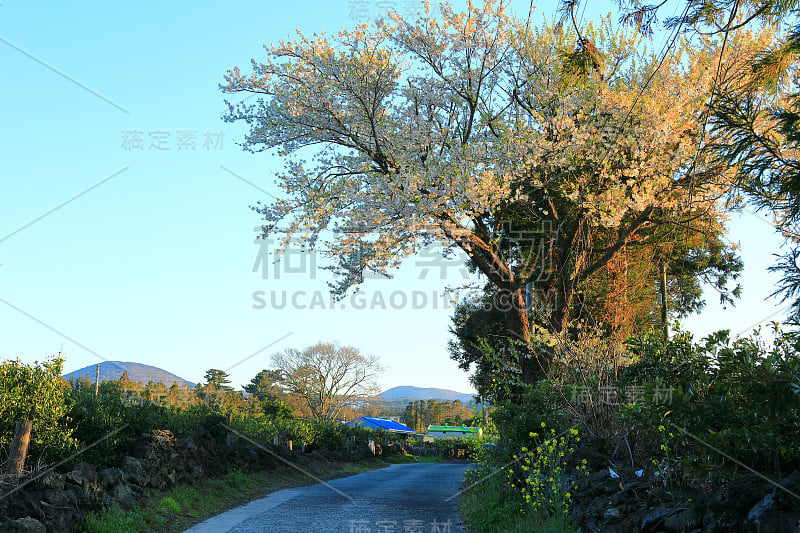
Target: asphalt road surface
[{"x": 412, "y": 498}]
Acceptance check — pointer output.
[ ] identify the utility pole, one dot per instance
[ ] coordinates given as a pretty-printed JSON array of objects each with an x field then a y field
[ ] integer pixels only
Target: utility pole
[
  {"x": 529, "y": 299},
  {"x": 97, "y": 379},
  {"x": 664, "y": 323},
  {"x": 19, "y": 448}
]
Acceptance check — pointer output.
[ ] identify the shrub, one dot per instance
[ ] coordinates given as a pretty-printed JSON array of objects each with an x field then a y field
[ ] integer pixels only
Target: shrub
[
  {"x": 36, "y": 392},
  {"x": 330, "y": 435},
  {"x": 114, "y": 424},
  {"x": 547, "y": 482},
  {"x": 740, "y": 397},
  {"x": 491, "y": 503},
  {"x": 541, "y": 404}
]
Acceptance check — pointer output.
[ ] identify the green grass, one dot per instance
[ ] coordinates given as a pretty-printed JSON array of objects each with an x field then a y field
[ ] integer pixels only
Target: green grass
[
  {"x": 169, "y": 504},
  {"x": 116, "y": 521},
  {"x": 183, "y": 506},
  {"x": 492, "y": 506}
]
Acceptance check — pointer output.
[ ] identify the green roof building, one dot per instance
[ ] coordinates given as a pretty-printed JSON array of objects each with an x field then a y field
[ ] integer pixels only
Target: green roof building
[{"x": 458, "y": 432}]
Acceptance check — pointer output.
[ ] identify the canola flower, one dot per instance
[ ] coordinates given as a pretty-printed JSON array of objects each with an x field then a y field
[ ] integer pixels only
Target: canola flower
[{"x": 548, "y": 482}]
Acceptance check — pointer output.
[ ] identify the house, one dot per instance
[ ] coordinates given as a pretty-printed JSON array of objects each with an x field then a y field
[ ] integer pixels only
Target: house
[
  {"x": 385, "y": 424},
  {"x": 458, "y": 432}
]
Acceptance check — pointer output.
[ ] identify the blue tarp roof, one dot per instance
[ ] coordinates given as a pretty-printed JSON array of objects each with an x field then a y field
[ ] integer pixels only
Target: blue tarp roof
[{"x": 388, "y": 425}]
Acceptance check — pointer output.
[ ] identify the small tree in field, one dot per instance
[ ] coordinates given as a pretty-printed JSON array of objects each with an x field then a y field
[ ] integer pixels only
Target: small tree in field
[
  {"x": 479, "y": 131},
  {"x": 327, "y": 376}
]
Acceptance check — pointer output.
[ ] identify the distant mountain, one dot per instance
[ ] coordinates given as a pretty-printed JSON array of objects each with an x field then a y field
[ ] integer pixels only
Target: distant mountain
[
  {"x": 112, "y": 370},
  {"x": 420, "y": 393}
]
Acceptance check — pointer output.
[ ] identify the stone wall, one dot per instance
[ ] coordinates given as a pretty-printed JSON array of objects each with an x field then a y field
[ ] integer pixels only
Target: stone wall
[
  {"x": 56, "y": 502},
  {"x": 641, "y": 503}
]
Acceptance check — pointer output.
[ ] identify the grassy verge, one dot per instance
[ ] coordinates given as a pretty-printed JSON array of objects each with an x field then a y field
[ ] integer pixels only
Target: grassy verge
[
  {"x": 492, "y": 506},
  {"x": 407, "y": 459},
  {"x": 184, "y": 506}
]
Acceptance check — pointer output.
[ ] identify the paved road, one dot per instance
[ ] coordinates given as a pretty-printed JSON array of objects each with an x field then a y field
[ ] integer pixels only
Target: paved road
[{"x": 409, "y": 498}]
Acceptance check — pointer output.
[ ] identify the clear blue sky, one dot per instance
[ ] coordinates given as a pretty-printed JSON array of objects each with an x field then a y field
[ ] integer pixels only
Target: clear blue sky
[{"x": 153, "y": 263}]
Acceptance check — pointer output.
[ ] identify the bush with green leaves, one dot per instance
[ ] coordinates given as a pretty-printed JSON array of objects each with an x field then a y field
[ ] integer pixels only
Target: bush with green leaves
[
  {"x": 542, "y": 403},
  {"x": 36, "y": 392},
  {"x": 112, "y": 424},
  {"x": 729, "y": 400},
  {"x": 315, "y": 434},
  {"x": 678, "y": 363},
  {"x": 449, "y": 443},
  {"x": 276, "y": 408}
]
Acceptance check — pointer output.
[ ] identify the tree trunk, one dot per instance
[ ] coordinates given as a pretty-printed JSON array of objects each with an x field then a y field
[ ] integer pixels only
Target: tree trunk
[
  {"x": 511, "y": 301},
  {"x": 574, "y": 252},
  {"x": 19, "y": 447},
  {"x": 534, "y": 366}
]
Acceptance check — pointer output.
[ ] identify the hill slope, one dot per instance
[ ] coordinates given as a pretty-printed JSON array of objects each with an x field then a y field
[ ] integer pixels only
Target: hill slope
[
  {"x": 422, "y": 393},
  {"x": 111, "y": 370}
]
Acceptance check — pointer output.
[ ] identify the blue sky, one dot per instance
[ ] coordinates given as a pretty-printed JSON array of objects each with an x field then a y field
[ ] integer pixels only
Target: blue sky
[{"x": 147, "y": 254}]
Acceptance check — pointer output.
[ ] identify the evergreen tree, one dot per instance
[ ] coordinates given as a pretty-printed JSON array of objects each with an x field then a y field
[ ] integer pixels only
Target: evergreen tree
[{"x": 218, "y": 379}]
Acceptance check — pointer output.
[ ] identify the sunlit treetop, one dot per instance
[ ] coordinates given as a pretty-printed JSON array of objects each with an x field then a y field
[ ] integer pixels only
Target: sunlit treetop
[{"x": 440, "y": 127}]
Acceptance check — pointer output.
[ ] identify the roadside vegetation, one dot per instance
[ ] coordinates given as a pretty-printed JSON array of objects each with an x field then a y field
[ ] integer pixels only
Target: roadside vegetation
[
  {"x": 181, "y": 507},
  {"x": 105, "y": 425},
  {"x": 156, "y": 461},
  {"x": 493, "y": 505},
  {"x": 678, "y": 417}
]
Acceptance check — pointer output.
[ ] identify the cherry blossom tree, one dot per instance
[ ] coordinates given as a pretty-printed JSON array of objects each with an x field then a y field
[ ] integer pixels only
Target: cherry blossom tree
[{"x": 477, "y": 129}]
